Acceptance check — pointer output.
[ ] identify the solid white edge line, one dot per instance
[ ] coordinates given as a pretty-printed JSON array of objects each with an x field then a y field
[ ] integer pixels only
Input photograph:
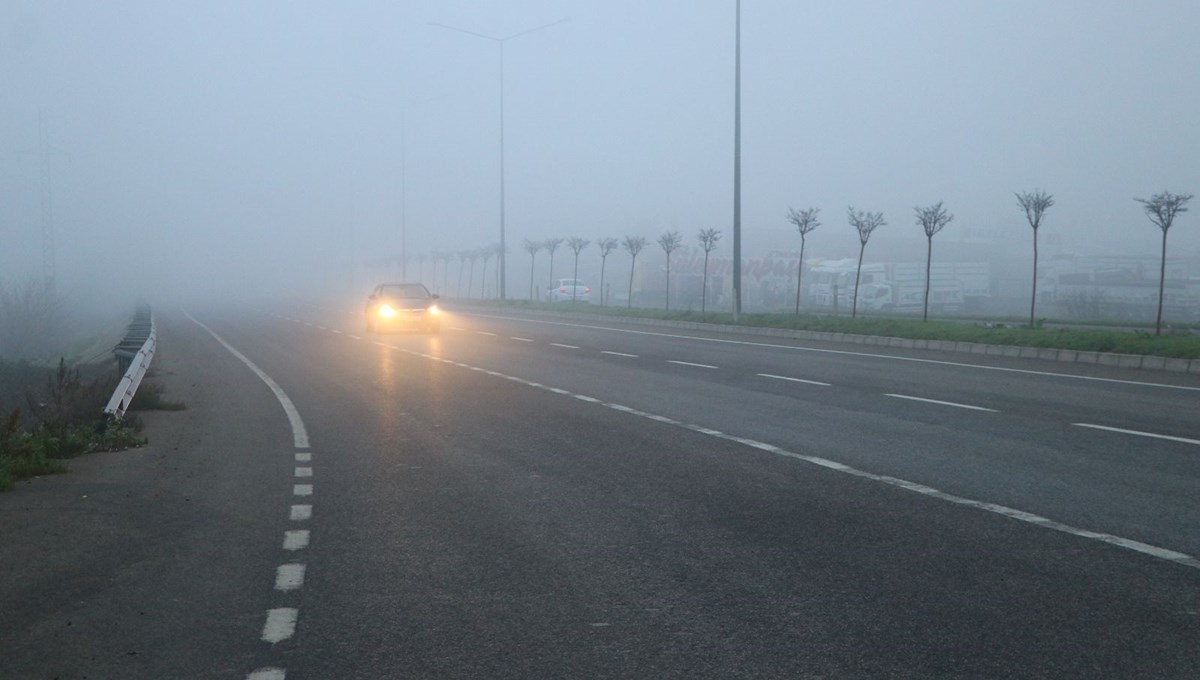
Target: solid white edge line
[
  {"x": 280, "y": 625},
  {"x": 1166, "y": 554},
  {"x": 1168, "y": 437},
  {"x": 799, "y": 380},
  {"x": 942, "y": 403},
  {"x": 688, "y": 363},
  {"x": 299, "y": 435},
  {"x": 893, "y": 357}
]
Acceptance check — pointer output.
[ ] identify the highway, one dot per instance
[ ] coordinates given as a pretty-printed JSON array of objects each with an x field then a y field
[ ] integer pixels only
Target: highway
[{"x": 530, "y": 496}]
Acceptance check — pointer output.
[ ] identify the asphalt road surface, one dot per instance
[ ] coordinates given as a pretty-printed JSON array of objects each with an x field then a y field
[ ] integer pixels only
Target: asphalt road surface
[{"x": 540, "y": 497}]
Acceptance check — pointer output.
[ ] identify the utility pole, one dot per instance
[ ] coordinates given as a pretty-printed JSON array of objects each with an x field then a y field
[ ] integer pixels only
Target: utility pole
[
  {"x": 48, "y": 264},
  {"x": 500, "y": 41},
  {"x": 737, "y": 165}
]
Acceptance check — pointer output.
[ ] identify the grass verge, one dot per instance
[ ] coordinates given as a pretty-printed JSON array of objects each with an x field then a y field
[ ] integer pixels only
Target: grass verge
[
  {"x": 1081, "y": 339},
  {"x": 65, "y": 419}
]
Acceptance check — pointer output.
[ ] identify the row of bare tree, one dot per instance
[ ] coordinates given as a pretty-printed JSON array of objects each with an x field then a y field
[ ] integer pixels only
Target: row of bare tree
[{"x": 1162, "y": 209}]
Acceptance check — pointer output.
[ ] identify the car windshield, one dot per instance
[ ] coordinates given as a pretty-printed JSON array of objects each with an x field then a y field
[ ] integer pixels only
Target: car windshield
[{"x": 404, "y": 290}]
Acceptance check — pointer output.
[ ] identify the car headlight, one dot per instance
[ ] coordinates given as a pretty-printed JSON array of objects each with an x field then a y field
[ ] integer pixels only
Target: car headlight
[
  {"x": 433, "y": 309},
  {"x": 386, "y": 311}
]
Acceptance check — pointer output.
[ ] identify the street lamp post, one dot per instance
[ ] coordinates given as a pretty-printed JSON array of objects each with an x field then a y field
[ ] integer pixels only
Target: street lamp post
[
  {"x": 501, "y": 42},
  {"x": 737, "y": 165}
]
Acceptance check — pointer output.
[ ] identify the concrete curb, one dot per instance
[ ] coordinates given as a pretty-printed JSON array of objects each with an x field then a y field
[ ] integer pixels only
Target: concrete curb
[{"x": 1138, "y": 361}]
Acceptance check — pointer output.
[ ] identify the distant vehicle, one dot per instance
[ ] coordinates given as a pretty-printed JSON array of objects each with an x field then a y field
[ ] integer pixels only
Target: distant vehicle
[
  {"x": 567, "y": 290},
  {"x": 399, "y": 306}
]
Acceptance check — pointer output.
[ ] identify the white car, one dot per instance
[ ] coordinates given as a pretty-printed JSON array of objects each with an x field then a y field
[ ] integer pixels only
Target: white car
[{"x": 567, "y": 290}]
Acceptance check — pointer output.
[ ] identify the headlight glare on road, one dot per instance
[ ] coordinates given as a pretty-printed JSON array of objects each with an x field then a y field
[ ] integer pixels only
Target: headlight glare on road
[
  {"x": 386, "y": 311},
  {"x": 433, "y": 309}
]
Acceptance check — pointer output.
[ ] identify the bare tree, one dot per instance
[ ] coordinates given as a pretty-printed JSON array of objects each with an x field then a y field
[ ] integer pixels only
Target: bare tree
[
  {"x": 865, "y": 223},
  {"x": 606, "y": 245},
  {"x": 485, "y": 254},
  {"x": 933, "y": 219},
  {"x": 805, "y": 221},
  {"x": 421, "y": 257},
  {"x": 1034, "y": 203},
  {"x": 472, "y": 256},
  {"x": 462, "y": 259},
  {"x": 446, "y": 256},
  {"x": 708, "y": 242},
  {"x": 633, "y": 246},
  {"x": 577, "y": 244},
  {"x": 669, "y": 242},
  {"x": 1162, "y": 209},
  {"x": 551, "y": 245},
  {"x": 532, "y": 247}
]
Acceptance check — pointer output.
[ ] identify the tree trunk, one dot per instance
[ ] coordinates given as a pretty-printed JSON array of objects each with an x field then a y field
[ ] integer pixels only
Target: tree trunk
[
  {"x": 799, "y": 271},
  {"x": 532, "y": 260},
  {"x": 928, "y": 260},
  {"x": 857, "y": 276},
  {"x": 668, "y": 282},
  {"x": 603, "y": 260},
  {"x": 704, "y": 285},
  {"x": 575, "y": 288},
  {"x": 1162, "y": 279},
  {"x": 1033, "y": 298},
  {"x": 632, "y": 264}
]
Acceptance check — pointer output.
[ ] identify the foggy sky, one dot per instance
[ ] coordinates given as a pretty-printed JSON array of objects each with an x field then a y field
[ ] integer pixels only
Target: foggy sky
[{"x": 227, "y": 145}]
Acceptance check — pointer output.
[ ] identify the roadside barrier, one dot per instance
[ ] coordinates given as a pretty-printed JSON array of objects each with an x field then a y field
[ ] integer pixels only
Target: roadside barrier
[{"x": 133, "y": 354}]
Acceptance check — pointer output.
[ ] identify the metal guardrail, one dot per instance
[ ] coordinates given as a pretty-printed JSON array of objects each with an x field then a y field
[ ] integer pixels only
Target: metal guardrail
[{"x": 133, "y": 353}]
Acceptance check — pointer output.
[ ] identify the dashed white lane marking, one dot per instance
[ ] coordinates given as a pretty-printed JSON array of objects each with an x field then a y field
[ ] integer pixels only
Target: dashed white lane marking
[
  {"x": 689, "y": 363},
  {"x": 303, "y": 457},
  {"x": 353, "y": 336},
  {"x": 513, "y": 337},
  {"x": 799, "y": 380},
  {"x": 304, "y": 472},
  {"x": 337, "y": 331},
  {"x": 1168, "y": 437},
  {"x": 1182, "y": 559},
  {"x": 619, "y": 354},
  {"x": 299, "y": 435},
  {"x": 302, "y": 489},
  {"x": 559, "y": 344},
  {"x": 267, "y": 674},
  {"x": 296, "y": 539},
  {"x": 942, "y": 403},
  {"x": 280, "y": 625},
  {"x": 486, "y": 333},
  {"x": 300, "y": 513},
  {"x": 322, "y": 328},
  {"x": 289, "y": 576},
  {"x": 892, "y": 357},
  {"x": 455, "y": 328}
]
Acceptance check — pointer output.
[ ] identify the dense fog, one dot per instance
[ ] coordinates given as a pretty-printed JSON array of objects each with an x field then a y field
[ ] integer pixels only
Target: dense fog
[{"x": 203, "y": 149}]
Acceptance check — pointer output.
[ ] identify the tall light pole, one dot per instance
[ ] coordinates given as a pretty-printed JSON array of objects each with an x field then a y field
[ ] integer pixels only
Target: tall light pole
[
  {"x": 501, "y": 42},
  {"x": 737, "y": 164}
]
